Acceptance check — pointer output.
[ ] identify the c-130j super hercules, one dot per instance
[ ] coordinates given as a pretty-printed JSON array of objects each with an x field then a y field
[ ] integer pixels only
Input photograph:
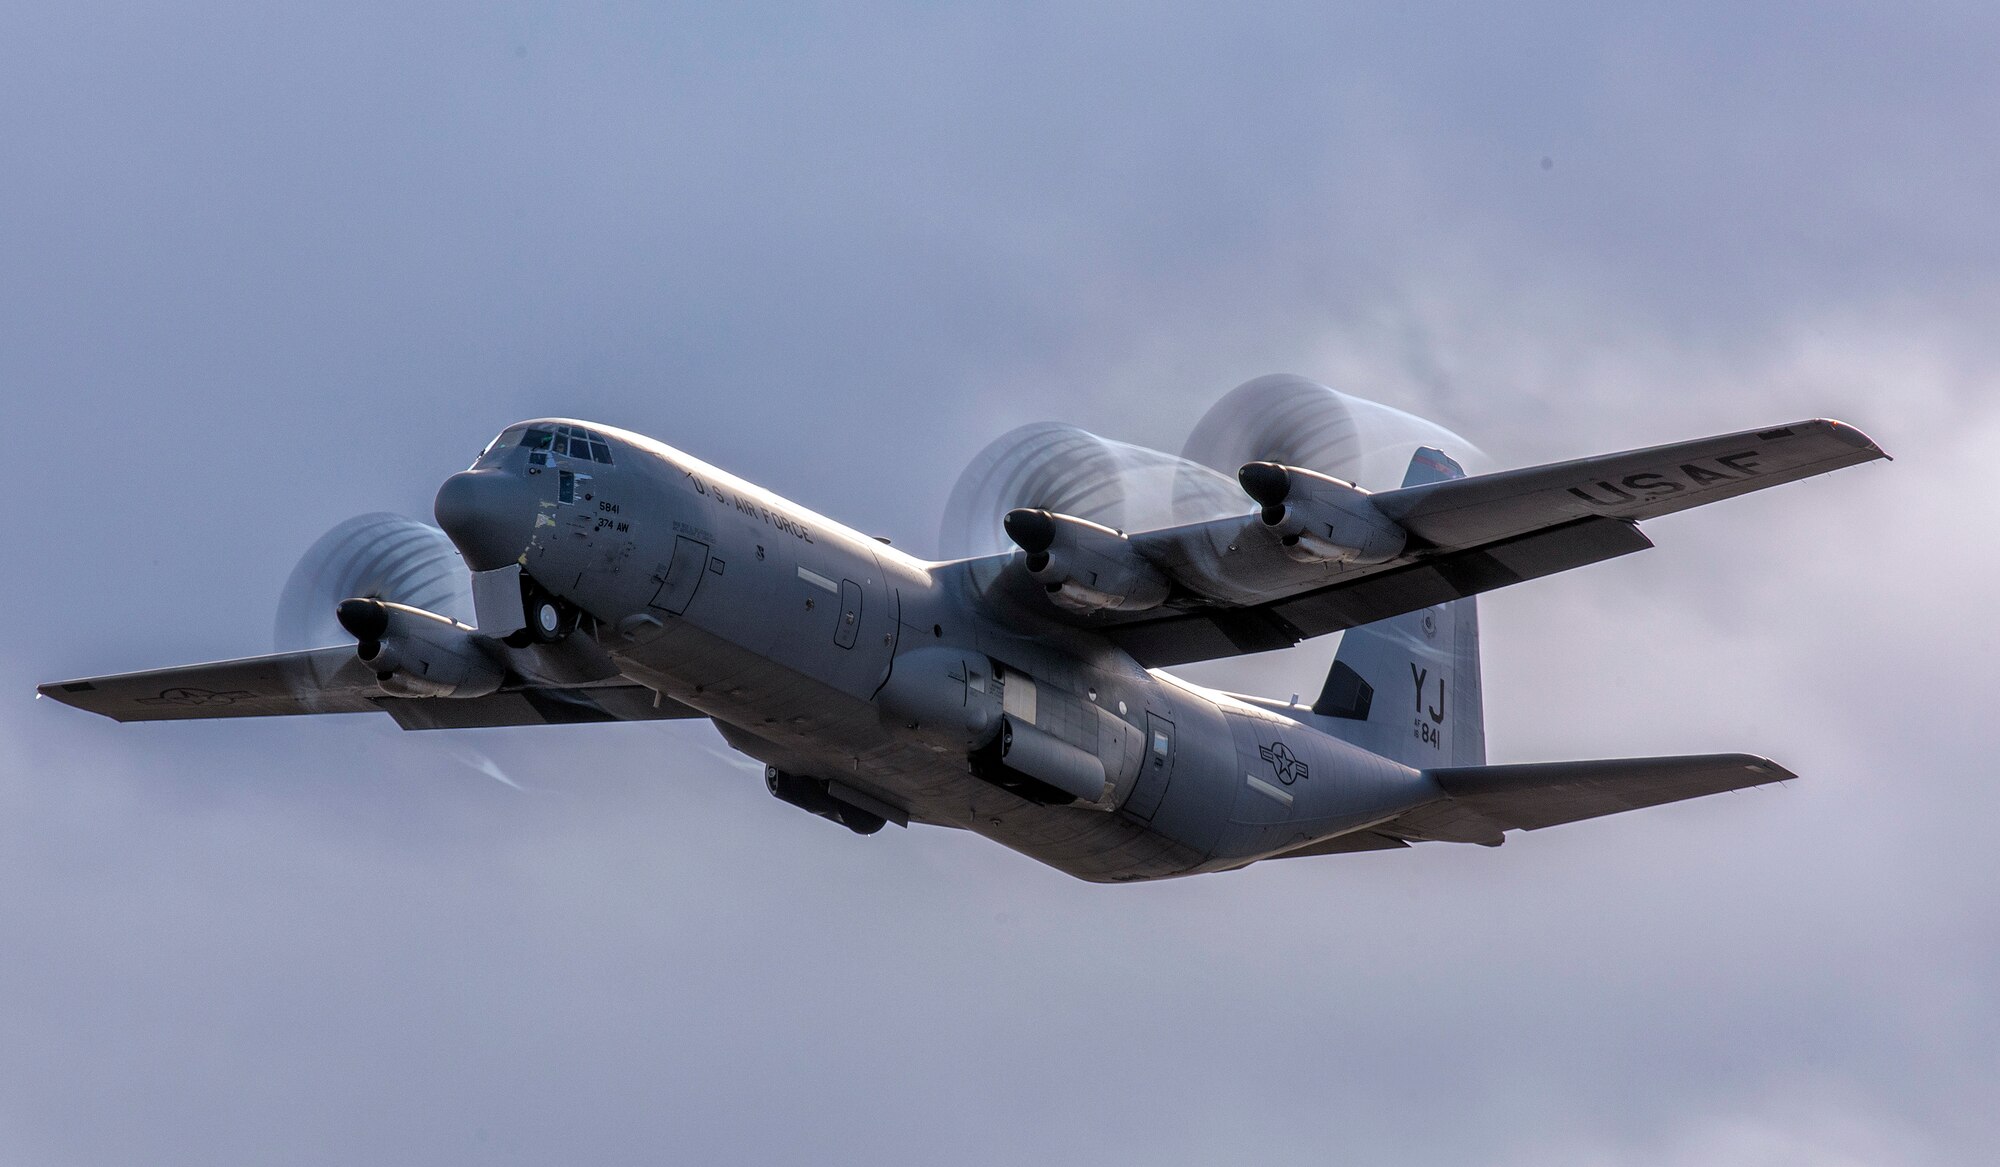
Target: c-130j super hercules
[{"x": 1018, "y": 695}]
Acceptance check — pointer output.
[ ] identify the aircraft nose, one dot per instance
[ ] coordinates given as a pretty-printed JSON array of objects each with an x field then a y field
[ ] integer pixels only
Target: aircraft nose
[{"x": 489, "y": 514}]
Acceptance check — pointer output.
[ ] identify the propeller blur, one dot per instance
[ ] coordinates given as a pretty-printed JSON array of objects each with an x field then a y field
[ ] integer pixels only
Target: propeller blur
[{"x": 1017, "y": 690}]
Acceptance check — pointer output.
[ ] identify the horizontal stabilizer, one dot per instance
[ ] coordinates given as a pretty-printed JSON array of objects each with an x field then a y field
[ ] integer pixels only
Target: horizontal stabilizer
[
  {"x": 334, "y": 680},
  {"x": 1488, "y": 800}
]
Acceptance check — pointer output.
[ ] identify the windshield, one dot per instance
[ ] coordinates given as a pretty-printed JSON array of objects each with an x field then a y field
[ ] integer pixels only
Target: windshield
[
  {"x": 547, "y": 442},
  {"x": 566, "y": 441}
]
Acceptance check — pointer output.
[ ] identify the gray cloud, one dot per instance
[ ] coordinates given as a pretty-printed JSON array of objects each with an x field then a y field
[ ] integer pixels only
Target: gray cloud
[{"x": 269, "y": 270}]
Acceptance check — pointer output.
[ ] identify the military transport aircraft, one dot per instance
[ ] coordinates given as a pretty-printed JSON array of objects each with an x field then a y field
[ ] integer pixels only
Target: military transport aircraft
[{"x": 1018, "y": 694}]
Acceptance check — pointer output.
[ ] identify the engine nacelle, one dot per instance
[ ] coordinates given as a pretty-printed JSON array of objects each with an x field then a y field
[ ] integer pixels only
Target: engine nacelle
[
  {"x": 1083, "y": 566},
  {"x": 419, "y": 654},
  {"x": 1320, "y": 519}
]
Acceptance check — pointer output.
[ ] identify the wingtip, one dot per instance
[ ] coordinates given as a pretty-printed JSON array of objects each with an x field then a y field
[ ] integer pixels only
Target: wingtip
[
  {"x": 1766, "y": 769},
  {"x": 1853, "y": 437},
  {"x": 65, "y": 692}
]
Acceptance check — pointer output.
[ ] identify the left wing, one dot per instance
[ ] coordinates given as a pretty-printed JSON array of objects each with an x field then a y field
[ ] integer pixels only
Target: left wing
[
  {"x": 333, "y": 680},
  {"x": 1233, "y": 586}
]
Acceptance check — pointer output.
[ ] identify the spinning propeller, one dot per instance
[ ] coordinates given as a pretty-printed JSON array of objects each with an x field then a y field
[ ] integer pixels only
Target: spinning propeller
[
  {"x": 377, "y": 556},
  {"x": 1281, "y": 419}
]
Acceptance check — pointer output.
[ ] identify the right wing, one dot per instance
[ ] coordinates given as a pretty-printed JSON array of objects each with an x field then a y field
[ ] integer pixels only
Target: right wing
[{"x": 334, "y": 680}]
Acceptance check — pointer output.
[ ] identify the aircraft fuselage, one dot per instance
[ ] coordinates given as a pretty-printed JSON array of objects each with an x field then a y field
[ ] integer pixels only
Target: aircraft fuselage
[{"x": 832, "y": 656}]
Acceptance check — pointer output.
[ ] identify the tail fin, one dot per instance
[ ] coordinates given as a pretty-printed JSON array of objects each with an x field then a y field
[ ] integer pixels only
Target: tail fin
[{"x": 1408, "y": 687}]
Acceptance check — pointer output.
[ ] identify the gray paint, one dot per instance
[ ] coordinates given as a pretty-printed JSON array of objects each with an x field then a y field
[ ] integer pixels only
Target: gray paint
[
  {"x": 345, "y": 245},
  {"x": 784, "y": 626}
]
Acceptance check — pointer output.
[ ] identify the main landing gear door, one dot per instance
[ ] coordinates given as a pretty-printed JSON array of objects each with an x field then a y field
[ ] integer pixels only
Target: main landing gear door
[{"x": 684, "y": 574}]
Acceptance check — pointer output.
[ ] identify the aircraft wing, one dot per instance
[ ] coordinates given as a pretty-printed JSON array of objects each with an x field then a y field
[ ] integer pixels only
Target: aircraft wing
[
  {"x": 333, "y": 680},
  {"x": 1640, "y": 484},
  {"x": 1235, "y": 590}
]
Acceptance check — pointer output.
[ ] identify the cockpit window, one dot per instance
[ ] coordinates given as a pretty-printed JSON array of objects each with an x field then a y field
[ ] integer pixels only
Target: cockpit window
[
  {"x": 567, "y": 441},
  {"x": 490, "y": 447}
]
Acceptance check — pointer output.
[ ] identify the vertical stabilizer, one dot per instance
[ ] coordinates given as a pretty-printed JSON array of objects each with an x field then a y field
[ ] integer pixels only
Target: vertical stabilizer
[{"x": 1408, "y": 687}]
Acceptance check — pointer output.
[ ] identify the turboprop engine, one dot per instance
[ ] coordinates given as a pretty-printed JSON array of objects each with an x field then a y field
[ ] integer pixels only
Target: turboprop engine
[
  {"x": 1083, "y": 566},
  {"x": 419, "y": 654},
  {"x": 1320, "y": 519}
]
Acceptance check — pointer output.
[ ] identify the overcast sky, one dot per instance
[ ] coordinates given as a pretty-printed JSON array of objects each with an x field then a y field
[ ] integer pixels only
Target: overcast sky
[{"x": 264, "y": 268}]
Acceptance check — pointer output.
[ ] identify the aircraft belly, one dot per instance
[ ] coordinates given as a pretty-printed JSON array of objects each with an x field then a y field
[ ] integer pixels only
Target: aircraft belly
[
  {"x": 1089, "y": 844},
  {"x": 1245, "y": 786},
  {"x": 765, "y": 646},
  {"x": 802, "y": 727}
]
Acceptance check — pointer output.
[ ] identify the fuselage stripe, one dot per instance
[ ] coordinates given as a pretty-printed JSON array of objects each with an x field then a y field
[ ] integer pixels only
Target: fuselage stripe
[{"x": 1267, "y": 790}]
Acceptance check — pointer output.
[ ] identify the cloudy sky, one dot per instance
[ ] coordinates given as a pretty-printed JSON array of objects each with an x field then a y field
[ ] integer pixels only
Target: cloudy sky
[{"x": 263, "y": 268}]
